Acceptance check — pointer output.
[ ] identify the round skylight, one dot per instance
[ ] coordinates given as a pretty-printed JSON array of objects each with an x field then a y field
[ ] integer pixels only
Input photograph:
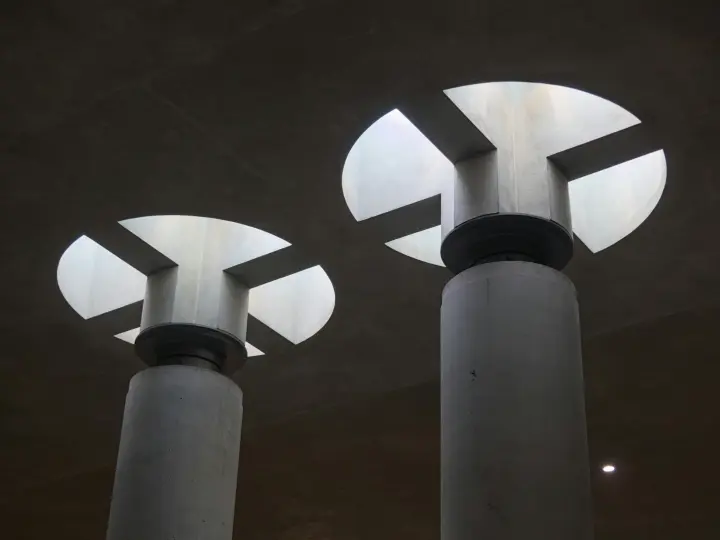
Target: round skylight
[
  {"x": 289, "y": 299},
  {"x": 393, "y": 165}
]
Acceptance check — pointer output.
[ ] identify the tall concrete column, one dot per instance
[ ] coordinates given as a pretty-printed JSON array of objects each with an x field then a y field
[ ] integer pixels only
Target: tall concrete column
[
  {"x": 514, "y": 443},
  {"x": 177, "y": 464},
  {"x": 179, "y": 449},
  {"x": 514, "y": 450}
]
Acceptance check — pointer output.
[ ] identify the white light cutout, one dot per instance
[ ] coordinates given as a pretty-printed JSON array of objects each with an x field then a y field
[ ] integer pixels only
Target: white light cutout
[
  {"x": 94, "y": 281},
  {"x": 608, "y": 469},
  {"x": 392, "y": 164},
  {"x": 423, "y": 245}
]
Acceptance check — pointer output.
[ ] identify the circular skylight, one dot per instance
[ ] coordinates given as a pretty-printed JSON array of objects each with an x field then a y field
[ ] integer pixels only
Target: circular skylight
[
  {"x": 393, "y": 165},
  {"x": 290, "y": 299}
]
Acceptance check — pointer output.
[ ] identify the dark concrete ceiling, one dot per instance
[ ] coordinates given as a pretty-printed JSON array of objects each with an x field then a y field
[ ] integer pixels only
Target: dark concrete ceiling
[{"x": 245, "y": 111}]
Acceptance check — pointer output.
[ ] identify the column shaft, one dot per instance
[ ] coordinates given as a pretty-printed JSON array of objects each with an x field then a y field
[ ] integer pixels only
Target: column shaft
[
  {"x": 514, "y": 444},
  {"x": 177, "y": 463}
]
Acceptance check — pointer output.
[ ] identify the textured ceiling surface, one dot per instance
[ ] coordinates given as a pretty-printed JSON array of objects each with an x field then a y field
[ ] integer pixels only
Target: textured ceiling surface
[{"x": 245, "y": 111}]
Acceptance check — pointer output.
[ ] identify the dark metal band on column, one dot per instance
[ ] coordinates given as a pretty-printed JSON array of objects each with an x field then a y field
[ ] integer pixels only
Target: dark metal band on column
[
  {"x": 510, "y": 237},
  {"x": 191, "y": 344}
]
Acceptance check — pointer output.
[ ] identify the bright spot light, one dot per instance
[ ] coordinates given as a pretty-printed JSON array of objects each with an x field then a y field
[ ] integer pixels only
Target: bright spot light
[{"x": 608, "y": 469}]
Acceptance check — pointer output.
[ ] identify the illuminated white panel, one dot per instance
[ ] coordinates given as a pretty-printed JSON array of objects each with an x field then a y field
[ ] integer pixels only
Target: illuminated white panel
[
  {"x": 253, "y": 351},
  {"x": 610, "y": 204},
  {"x": 392, "y": 165},
  {"x": 423, "y": 245},
  {"x": 171, "y": 234},
  {"x": 558, "y": 117},
  {"x": 95, "y": 281},
  {"x": 130, "y": 336},
  {"x": 295, "y": 306}
]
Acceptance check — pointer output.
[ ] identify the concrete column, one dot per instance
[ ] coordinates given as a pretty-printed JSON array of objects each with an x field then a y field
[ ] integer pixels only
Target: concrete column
[
  {"x": 178, "y": 459},
  {"x": 514, "y": 445}
]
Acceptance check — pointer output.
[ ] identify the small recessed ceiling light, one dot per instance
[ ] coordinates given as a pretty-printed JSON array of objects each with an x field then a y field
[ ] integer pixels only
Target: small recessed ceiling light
[{"x": 609, "y": 469}]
